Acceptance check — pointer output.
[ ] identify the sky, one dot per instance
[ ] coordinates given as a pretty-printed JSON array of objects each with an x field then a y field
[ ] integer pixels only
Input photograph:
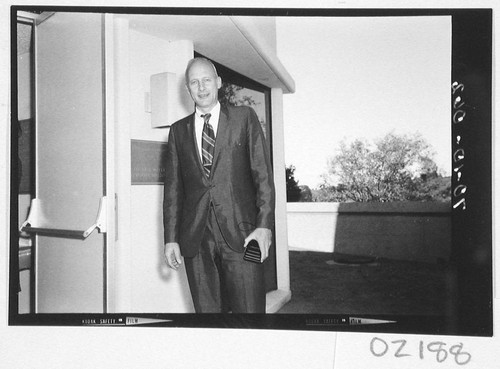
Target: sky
[{"x": 363, "y": 77}]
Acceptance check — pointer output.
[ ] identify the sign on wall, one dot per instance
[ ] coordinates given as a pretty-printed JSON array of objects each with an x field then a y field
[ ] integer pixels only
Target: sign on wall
[{"x": 147, "y": 162}]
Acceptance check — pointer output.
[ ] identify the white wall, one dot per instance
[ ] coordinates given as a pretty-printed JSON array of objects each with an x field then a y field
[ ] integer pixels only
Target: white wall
[
  {"x": 311, "y": 226},
  {"x": 402, "y": 231},
  {"x": 143, "y": 281}
]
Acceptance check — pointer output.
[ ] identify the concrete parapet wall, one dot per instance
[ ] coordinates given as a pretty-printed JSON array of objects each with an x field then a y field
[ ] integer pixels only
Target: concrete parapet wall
[{"x": 411, "y": 231}]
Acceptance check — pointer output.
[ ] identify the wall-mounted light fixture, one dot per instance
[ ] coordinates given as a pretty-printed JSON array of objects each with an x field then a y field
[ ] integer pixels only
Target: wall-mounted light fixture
[{"x": 164, "y": 99}]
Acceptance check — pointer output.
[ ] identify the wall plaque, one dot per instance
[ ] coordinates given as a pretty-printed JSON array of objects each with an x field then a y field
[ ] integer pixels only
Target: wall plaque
[{"x": 148, "y": 162}]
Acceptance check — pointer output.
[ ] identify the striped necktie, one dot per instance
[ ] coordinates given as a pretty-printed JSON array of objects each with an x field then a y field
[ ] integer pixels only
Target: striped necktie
[{"x": 207, "y": 144}]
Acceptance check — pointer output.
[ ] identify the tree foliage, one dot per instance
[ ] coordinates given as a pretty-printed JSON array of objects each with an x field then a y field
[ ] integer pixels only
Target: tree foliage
[
  {"x": 228, "y": 95},
  {"x": 395, "y": 168},
  {"x": 305, "y": 194},
  {"x": 292, "y": 186}
]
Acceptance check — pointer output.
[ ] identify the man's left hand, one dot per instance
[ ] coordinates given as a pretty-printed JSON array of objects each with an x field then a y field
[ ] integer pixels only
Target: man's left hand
[{"x": 264, "y": 237}]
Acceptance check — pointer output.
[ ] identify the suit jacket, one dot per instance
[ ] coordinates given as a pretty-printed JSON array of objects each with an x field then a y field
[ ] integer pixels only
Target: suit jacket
[{"x": 240, "y": 186}]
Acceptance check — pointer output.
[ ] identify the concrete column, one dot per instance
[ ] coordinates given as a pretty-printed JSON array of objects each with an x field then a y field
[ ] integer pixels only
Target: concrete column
[{"x": 276, "y": 299}]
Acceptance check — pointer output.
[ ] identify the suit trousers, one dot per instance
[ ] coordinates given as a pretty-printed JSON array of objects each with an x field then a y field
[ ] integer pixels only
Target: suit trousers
[{"x": 220, "y": 280}]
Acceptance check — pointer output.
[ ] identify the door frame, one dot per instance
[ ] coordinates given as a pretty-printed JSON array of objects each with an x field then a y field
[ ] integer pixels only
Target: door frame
[{"x": 14, "y": 273}]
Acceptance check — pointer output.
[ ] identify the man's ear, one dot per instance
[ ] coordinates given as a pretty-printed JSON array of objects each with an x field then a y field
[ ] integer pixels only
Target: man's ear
[
  {"x": 219, "y": 82},
  {"x": 187, "y": 89}
]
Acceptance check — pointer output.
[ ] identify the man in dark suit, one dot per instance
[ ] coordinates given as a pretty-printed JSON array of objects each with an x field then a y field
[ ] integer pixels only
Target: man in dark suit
[{"x": 218, "y": 195}]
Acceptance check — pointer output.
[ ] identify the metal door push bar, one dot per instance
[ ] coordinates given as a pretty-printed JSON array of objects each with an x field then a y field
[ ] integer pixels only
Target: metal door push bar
[{"x": 30, "y": 224}]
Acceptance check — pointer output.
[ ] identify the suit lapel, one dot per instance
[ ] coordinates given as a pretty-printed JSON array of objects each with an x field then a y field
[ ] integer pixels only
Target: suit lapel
[{"x": 221, "y": 138}]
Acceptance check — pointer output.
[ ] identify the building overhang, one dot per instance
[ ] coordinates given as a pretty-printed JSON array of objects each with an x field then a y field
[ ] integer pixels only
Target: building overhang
[{"x": 233, "y": 41}]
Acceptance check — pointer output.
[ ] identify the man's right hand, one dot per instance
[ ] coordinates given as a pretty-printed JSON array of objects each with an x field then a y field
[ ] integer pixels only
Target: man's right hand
[{"x": 173, "y": 255}]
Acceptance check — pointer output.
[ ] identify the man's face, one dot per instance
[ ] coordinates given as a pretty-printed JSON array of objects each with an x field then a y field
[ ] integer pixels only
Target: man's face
[{"x": 203, "y": 86}]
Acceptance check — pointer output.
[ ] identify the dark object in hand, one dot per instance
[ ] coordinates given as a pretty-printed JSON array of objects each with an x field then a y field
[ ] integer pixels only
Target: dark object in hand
[{"x": 252, "y": 252}]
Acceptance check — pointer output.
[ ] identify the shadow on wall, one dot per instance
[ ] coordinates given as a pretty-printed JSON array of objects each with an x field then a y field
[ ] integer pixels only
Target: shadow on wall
[{"x": 412, "y": 231}]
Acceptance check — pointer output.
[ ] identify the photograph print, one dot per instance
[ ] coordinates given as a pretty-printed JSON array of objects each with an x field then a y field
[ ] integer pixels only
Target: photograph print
[{"x": 151, "y": 145}]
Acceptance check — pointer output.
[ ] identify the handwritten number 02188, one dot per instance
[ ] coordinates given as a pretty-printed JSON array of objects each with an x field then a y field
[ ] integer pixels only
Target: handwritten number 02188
[{"x": 379, "y": 348}]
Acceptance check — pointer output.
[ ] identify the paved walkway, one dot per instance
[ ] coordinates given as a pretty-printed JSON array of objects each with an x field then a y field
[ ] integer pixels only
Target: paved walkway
[{"x": 320, "y": 285}]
